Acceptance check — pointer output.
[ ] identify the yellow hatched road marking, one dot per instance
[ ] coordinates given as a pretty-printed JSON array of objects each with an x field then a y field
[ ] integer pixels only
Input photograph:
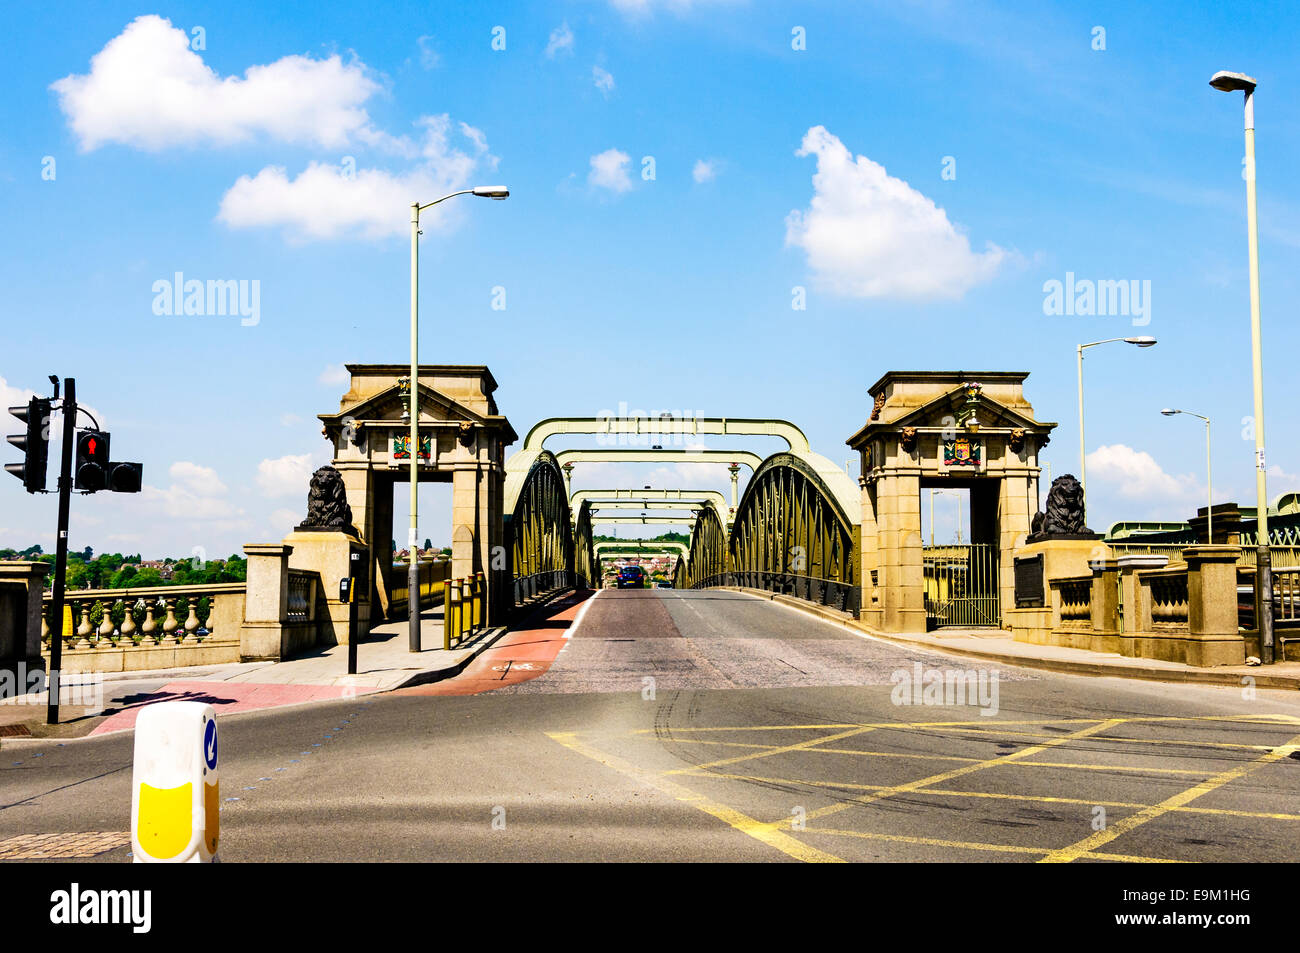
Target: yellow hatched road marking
[
  {"x": 766, "y": 833},
  {"x": 998, "y": 795},
  {"x": 976, "y": 845},
  {"x": 1130, "y": 741},
  {"x": 799, "y": 746},
  {"x": 909, "y": 786},
  {"x": 1088, "y": 844}
]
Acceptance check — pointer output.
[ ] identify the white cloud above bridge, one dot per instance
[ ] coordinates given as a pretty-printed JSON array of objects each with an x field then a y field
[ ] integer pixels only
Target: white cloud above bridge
[{"x": 868, "y": 234}]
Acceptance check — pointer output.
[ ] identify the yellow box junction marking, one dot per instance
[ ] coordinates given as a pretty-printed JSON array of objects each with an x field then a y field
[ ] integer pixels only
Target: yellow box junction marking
[
  {"x": 741, "y": 822},
  {"x": 773, "y": 832}
]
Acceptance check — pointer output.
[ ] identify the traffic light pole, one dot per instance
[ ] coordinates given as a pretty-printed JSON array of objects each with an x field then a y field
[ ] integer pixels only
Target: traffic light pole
[{"x": 61, "y": 551}]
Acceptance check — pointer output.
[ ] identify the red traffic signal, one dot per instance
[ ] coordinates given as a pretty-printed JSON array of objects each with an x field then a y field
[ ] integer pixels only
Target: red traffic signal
[{"x": 91, "y": 466}]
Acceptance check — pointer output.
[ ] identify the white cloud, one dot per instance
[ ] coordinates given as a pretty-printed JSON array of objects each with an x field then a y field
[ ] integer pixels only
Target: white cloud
[
  {"x": 560, "y": 42},
  {"x": 429, "y": 58},
  {"x": 1136, "y": 474},
  {"x": 609, "y": 170},
  {"x": 283, "y": 520},
  {"x": 327, "y": 201},
  {"x": 146, "y": 88},
  {"x": 288, "y": 420},
  {"x": 870, "y": 235},
  {"x": 196, "y": 493},
  {"x": 603, "y": 79},
  {"x": 334, "y": 375},
  {"x": 286, "y": 476},
  {"x": 706, "y": 170}
]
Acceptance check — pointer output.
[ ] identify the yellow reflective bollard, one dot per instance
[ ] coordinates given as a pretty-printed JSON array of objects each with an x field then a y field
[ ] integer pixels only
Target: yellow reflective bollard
[
  {"x": 479, "y": 590},
  {"x": 175, "y": 796}
]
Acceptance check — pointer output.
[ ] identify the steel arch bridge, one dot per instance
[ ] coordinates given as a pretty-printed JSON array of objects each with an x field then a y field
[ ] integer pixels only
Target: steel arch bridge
[
  {"x": 794, "y": 532},
  {"x": 549, "y": 547}
]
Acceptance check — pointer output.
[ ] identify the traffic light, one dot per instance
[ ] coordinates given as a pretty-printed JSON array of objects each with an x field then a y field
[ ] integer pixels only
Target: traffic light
[
  {"x": 91, "y": 465},
  {"x": 124, "y": 477},
  {"x": 35, "y": 443}
]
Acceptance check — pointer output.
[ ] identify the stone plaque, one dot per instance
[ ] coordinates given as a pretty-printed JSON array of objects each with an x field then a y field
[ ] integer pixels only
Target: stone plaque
[{"x": 1029, "y": 581}]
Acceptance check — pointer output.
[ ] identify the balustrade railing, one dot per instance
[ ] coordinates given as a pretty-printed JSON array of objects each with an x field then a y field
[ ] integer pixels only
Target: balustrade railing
[
  {"x": 1076, "y": 599},
  {"x": 162, "y": 615},
  {"x": 1168, "y": 595}
]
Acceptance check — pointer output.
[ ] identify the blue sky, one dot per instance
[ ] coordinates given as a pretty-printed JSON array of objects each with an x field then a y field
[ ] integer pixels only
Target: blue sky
[{"x": 286, "y": 149}]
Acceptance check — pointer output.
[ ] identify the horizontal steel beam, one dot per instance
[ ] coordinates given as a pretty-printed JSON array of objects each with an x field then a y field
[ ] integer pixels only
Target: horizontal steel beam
[
  {"x": 667, "y": 457},
  {"x": 658, "y": 426}
]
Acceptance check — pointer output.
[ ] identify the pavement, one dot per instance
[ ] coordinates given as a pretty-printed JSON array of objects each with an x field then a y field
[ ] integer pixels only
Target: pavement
[
  {"x": 713, "y": 726},
  {"x": 384, "y": 662},
  {"x": 998, "y": 645}
]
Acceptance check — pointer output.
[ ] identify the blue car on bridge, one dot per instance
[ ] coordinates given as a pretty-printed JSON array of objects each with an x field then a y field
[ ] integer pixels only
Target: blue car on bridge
[{"x": 631, "y": 577}]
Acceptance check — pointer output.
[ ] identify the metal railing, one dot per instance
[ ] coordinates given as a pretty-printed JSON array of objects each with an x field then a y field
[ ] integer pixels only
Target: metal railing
[
  {"x": 530, "y": 588},
  {"x": 961, "y": 585},
  {"x": 832, "y": 593},
  {"x": 464, "y": 611},
  {"x": 434, "y": 574},
  {"x": 1281, "y": 555}
]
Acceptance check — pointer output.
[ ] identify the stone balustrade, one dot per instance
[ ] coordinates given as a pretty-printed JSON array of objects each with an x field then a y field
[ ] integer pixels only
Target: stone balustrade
[
  {"x": 1137, "y": 606},
  {"x": 122, "y": 630}
]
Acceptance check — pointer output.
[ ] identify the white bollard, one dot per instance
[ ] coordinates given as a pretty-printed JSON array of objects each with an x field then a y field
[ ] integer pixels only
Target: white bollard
[{"x": 175, "y": 799}]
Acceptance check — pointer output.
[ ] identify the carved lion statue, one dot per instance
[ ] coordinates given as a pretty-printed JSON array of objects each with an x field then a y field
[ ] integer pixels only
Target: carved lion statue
[
  {"x": 1064, "y": 514},
  {"x": 327, "y": 501}
]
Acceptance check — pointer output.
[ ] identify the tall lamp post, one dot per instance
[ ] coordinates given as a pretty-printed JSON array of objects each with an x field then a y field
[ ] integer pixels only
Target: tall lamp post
[
  {"x": 1083, "y": 466},
  {"x": 497, "y": 192},
  {"x": 1232, "y": 82},
  {"x": 1209, "y": 474}
]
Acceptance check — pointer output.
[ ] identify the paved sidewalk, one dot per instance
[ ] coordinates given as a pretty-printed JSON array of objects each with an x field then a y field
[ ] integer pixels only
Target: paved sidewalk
[
  {"x": 997, "y": 645},
  {"x": 384, "y": 662}
]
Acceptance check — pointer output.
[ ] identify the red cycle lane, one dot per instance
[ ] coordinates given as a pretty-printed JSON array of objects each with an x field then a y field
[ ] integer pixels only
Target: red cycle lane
[{"x": 521, "y": 654}]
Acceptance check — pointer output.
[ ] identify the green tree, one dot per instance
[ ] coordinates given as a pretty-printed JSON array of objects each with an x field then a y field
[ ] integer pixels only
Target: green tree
[
  {"x": 146, "y": 577},
  {"x": 123, "y": 577}
]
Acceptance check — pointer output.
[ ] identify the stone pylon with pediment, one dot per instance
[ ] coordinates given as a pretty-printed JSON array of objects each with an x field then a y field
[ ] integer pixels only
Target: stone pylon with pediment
[
  {"x": 932, "y": 429},
  {"x": 462, "y": 441}
]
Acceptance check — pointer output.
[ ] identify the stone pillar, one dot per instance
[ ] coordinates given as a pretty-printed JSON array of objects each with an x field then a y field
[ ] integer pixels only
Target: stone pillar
[
  {"x": 1105, "y": 605},
  {"x": 326, "y": 553},
  {"x": 1212, "y": 606},
  {"x": 1014, "y": 522},
  {"x": 1134, "y": 599},
  {"x": 869, "y": 557},
  {"x": 902, "y": 583},
  {"x": 22, "y": 587},
  {"x": 266, "y": 602}
]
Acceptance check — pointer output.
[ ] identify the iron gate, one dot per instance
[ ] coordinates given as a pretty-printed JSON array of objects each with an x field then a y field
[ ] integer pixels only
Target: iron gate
[{"x": 961, "y": 585}]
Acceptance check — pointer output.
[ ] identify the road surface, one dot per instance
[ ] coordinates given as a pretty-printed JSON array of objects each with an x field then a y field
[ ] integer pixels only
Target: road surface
[{"x": 674, "y": 726}]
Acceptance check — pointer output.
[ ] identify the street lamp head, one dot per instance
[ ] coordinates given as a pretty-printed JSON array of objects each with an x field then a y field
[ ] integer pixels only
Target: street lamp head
[
  {"x": 1169, "y": 413},
  {"x": 498, "y": 192},
  {"x": 1141, "y": 341},
  {"x": 1231, "y": 82}
]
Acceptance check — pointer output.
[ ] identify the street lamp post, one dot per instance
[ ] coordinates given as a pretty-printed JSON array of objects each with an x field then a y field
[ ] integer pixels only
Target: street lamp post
[
  {"x": 1209, "y": 474},
  {"x": 1231, "y": 82},
  {"x": 1083, "y": 466},
  {"x": 497, "y": 192}
]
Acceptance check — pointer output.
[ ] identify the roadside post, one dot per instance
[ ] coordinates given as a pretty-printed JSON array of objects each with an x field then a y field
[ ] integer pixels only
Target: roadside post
[
  {"x": 175, "y": 796},
  {"x": 356, "y": 580}
]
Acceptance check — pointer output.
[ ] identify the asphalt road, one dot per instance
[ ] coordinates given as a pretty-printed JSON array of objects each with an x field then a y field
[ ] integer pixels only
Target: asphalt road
[{"x": 715, "y": 726}]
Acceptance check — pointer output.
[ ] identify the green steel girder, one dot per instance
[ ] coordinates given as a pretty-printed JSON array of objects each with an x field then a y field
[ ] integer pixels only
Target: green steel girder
[
  {"x": 645, "y": 455},
  {"x": 660, "y": 426},
  {"x": 688, "y": 496}
]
